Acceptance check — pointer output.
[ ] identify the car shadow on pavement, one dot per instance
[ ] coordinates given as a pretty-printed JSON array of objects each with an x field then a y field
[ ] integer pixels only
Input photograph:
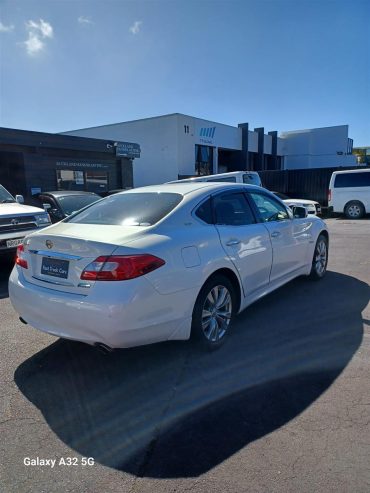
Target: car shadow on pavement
[
  {"x": 6, "y": 265},
  {"x": 171, "y": 410}
]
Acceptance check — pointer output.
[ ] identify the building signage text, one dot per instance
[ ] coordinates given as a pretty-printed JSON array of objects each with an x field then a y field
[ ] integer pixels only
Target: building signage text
[
  {"x": 75, "y": 164},
  {"x": 128, "y": 149}
]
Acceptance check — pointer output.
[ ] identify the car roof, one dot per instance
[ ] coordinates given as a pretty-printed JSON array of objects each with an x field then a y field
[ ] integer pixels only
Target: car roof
[
  {"x": 60, "y": 193},
  {"x": 351, "y": 171},
  {"x": 185, "y": 188}
]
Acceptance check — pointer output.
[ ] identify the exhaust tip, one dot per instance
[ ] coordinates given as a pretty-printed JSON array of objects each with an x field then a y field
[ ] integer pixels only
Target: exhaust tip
[
  {"x": 23, "y": 321},
  {"x": 103, "y": 348}
]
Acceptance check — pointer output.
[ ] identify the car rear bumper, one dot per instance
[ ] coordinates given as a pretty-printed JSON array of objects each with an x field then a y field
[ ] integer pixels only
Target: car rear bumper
[{"x": 111, "y": 315}]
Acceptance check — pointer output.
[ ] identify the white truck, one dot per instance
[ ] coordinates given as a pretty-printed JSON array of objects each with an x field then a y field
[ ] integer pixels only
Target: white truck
[{"x": 18, "y": 220}]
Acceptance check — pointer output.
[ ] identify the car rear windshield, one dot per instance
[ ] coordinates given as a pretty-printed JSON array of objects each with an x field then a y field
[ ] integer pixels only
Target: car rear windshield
[
  {"x": 347, "y": 180},
  {"x": 73, "y": 203},
  {"x": 129, "y": 209}
]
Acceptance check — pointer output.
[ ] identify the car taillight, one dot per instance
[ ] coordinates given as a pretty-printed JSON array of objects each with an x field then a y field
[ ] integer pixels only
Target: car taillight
[
  {"x": 19, "y": 260},
  {"x": 120, "y": 267},
  {"x": 329, "y": 194}
]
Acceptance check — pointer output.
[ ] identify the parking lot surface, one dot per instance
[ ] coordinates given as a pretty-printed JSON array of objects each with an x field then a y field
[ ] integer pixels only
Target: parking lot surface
[{"x": 284, "y": 406}]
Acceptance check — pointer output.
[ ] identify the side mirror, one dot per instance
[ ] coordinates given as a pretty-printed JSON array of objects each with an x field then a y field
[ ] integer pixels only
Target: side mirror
[
  {"x": 19, "y": 199},
  {"x": 46, "y": 207},
  {"x": 56, "y": 214},
  {"x": 299, "y": 212}
]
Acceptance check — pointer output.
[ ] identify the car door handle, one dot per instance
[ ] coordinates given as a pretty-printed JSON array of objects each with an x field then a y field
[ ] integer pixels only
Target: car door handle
[
  {"x": 233, "y": 242},
  {"x": 275, "y": 234}
]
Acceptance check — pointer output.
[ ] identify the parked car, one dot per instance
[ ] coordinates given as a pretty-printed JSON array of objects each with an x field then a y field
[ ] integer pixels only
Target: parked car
[
  {"x": 312, "y": 206},
  {"x": 62, "y": 203},
  {"x": 163, "y": 262},
  {"x": 249, "y": 177},
  {"x": 349, "y": 193},
  {"x": 112, "y": 192},
  {"x": 17, "y": 220}
]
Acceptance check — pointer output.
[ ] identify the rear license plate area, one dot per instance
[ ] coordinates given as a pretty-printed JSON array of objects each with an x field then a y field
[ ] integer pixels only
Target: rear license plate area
[
  {"x": 55, "y": 267},
  {"x": 14, "y": 243}
]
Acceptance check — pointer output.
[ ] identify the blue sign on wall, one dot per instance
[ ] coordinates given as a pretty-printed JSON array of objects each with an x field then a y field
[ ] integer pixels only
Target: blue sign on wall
[
  {"x": 127, "y": 149},
  {"x": 207, "y": 132}
]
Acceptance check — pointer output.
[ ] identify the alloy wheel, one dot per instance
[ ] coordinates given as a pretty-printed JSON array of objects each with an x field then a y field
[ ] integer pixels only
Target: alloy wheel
[
  {"x": 216, "y": 313},
  {"x": 321, "y": 256}
]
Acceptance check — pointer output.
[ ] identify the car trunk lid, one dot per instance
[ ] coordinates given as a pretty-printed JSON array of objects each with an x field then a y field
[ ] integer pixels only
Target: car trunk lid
[{"x": 58, "y": 255}]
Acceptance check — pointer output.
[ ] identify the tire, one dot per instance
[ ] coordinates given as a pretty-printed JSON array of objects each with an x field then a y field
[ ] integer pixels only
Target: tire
[
  {"x": 320, "y": 258},
  {"x": 354, "y": 210},
  {"x": 213, "y": 312}
]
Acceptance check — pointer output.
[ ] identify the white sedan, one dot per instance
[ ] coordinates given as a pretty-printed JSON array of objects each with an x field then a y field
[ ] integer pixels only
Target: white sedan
[
  {"x": 312, "y": 206},
  {"x": 163, "y": 263}
]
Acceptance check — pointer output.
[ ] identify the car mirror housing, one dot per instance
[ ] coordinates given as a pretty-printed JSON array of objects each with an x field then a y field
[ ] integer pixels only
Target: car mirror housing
[
  {"x": 299, "y": 212},
  {"x": 19, "y": 199}
]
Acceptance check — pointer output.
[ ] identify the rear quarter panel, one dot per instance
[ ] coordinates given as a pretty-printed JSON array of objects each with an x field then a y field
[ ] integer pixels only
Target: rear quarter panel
[{"x": 192, "y": 253}]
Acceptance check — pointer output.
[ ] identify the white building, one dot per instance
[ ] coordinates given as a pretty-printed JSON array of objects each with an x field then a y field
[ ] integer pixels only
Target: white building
[
  {"x": 325, "y": 147},
  {"x": 178, "y": 145}
]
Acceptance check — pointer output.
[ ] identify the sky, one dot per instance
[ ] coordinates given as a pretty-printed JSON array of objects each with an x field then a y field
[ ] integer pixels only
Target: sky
[{"x": 278, "y": 64}]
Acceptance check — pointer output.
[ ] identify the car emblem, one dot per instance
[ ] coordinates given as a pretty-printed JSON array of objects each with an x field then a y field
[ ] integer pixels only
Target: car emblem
[
  {"x": 49, "y": 244},
  {"x": 14, "y": 222}
]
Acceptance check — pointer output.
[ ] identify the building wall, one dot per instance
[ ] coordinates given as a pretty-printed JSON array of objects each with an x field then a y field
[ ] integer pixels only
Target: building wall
[
  {"x": 267, "y": 144},
  {"x": 29, "y": 162},
  {"x": 168, "y": 146},
  {"x": 280, "y": 146},
  {"x": 186, "y": 144},
  {"x": 252, "y": 141},
  {"x": 203, "y": 132},
  {"x": 40, "y": 168},
  {"x": 316, "y": 148},
  {"x": 157, "y": 137}
]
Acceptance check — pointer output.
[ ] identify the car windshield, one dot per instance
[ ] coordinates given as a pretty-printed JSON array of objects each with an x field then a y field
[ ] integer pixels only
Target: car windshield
[
  {"x": 73, "y": 203},
  {"x": 130, "y": 209},
  {"x": 5, "y": 196}
]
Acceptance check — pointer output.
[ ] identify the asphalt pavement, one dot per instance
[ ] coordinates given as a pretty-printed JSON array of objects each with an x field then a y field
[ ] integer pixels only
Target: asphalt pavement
[{"x": 284, "y": 406}]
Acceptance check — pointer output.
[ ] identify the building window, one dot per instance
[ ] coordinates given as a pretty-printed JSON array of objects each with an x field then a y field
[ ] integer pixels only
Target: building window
[
  {"x": 203, "y": 160},
  {"x": 96, "y": 181},
  {"x": 91, "y": 181},
  {"x": 68, "y": 179}
]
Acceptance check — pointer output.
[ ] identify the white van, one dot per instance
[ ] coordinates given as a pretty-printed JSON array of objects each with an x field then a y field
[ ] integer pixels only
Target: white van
[
  {"x": 349, "y": 193},
  {"x": 250, "y": 177}
]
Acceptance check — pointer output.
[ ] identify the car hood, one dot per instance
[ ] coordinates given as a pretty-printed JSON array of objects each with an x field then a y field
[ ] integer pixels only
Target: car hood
[{"x": 17, "y": 209}]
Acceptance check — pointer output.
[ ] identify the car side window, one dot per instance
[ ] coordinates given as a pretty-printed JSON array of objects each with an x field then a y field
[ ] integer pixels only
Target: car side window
[
  {"x": 232, "y": 209},
  {"x": 204, "y": 212},
  {"x": 269, "y": 208}
]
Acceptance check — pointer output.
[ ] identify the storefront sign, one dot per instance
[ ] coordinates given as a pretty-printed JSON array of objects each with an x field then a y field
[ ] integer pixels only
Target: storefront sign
[
  {"x": 206, "y": 135},
  {"x": 127, "y": 149},
  {"x": 76, "y": 164}
]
